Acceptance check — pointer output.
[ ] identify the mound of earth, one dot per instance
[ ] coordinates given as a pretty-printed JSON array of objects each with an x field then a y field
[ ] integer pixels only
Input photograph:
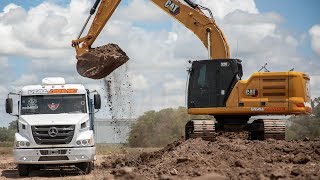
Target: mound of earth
[{"x": 225, "y": 158}]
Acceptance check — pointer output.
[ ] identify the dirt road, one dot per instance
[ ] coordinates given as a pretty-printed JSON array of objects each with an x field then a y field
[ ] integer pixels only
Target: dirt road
[
  {"x": 225, "y": 158},
  {"x": 8, "y": 170}
]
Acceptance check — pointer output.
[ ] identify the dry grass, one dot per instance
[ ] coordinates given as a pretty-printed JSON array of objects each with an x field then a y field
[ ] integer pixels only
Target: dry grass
[{"x": 5, "y": 151}]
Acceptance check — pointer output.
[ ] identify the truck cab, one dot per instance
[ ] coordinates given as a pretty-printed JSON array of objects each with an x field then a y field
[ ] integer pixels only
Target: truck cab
[{"x": 55, "y": 125}]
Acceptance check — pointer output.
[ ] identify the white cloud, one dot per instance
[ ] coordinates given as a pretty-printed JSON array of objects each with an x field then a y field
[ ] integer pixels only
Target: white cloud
[
  {"x": 174, "y": 86},
  {"x": 42, "y": 32},
  {"x": 140, "y": 10},
  {"x": 27, "y": 79},
  {"x": 244, "y": 17},
  {"x": 221, "y": 8},
  {"x": 315, "y": 38},
  {"x": 12, "y": 14},
  {"x": 6, "y": 72},
  {"x": 139, "y": 82},
  {"x": 4, "y": 62},
  {"x": 314, "y": 83}
]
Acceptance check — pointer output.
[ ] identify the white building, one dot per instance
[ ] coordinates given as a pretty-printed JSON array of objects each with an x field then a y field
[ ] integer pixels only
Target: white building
[{"x": 112, "y": 131}]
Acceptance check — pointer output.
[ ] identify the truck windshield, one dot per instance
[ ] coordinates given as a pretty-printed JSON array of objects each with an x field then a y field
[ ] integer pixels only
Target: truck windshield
[{"x": 53, "y": 104}]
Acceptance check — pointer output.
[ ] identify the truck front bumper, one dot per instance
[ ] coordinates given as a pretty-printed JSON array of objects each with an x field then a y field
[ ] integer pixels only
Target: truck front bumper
[{"x": 54, "y": 155}]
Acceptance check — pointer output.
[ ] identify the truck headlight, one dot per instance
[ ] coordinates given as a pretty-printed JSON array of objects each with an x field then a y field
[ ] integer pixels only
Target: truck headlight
[
  {"x": 22, "y": 144},
  {"x": 85, "y": 142}
]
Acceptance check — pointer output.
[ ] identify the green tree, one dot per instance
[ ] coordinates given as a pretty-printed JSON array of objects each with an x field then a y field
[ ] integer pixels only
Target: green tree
[
  {"x": 7, "y": 133},
  {"x": 155, "y": 129}
]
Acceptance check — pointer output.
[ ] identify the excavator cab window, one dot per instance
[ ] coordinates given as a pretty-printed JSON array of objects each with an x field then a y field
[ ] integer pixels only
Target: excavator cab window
[
  {"x": 202, "y": 78},
  {"x": 240, "y": 72}
]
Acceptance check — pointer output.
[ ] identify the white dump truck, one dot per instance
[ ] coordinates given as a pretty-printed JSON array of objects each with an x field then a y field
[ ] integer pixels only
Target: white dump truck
[{"x": 55, "y": 125}]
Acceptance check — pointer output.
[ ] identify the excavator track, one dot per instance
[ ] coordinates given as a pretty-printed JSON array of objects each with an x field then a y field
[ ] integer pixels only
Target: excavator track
[
  {"x": 262, "y": 130},
  {"x": 274, "y": 129},
  {"x": 197, "y": 128}
]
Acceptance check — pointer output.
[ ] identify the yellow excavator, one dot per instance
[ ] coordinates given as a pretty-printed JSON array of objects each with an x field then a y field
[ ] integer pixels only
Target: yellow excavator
[{"x": 215, "y": 86}]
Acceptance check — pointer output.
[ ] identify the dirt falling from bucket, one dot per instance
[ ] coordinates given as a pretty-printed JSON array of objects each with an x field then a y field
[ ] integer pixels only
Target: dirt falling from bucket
[{"x": 119, "y": 99}]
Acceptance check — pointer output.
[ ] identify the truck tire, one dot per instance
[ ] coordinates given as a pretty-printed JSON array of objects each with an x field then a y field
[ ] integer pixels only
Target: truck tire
[
  {"x": 85, "y": 167},
  {"x": 23, "y": 170}
]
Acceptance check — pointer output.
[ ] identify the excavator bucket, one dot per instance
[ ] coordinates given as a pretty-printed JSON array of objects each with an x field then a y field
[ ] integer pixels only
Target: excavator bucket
[{"x": 101, "y": 61}]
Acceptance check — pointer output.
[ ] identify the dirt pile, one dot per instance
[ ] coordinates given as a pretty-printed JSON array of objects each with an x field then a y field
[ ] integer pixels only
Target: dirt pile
[
  {"x": 225, "y": 158},
  {"x": 101, "y": 61}
]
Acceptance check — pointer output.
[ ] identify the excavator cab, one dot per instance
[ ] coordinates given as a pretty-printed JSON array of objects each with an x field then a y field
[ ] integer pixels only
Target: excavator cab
[{"x": 211, "y": 82}]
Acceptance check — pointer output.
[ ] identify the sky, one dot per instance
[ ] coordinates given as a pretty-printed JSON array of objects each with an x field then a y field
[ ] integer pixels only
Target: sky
[{"x": 36, "y": 37}]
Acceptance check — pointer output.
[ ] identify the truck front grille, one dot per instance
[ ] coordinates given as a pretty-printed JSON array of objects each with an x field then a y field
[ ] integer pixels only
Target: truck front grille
[
  {"x": 53, "y": 134},
  {"x": 53, "y": 158},
  {"x": 51, "y": 152}
]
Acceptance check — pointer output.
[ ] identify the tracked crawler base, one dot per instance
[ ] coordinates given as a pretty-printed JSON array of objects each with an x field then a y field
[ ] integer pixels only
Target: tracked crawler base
[{"x": 257, "y": 130}]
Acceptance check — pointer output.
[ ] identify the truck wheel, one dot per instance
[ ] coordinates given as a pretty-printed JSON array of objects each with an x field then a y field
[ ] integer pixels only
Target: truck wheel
[
  {"x": 23, "y": 169},
  {"x": 85, "y": 167}
]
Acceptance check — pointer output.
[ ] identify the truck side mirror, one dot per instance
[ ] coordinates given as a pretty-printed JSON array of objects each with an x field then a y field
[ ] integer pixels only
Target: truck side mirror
[
  {"x": 97, "y": 101},
  {"x": 9, "y": 105}
]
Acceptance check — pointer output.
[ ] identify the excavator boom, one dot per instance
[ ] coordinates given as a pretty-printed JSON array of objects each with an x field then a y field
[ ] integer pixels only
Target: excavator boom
[{"x": 96, "y": 64}]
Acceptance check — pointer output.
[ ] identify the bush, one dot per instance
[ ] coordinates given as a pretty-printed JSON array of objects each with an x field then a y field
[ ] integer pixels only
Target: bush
[
  {"x": 7, "y": 133},
  {"x": 156, "y": 129},
  {"x": 305, "y": 126}
]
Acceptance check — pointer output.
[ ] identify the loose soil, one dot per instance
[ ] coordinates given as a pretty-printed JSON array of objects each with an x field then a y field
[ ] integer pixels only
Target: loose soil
[
  {"x": 118, "y": 92},
  {"x": 118, "y": 98},
  {"x": 101, "y": 61},
  {"x": 227, "y": 157}
]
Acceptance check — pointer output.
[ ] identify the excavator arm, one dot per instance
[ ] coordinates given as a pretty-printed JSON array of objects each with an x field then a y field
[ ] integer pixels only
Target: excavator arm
[{"x": 189, "y": 14}]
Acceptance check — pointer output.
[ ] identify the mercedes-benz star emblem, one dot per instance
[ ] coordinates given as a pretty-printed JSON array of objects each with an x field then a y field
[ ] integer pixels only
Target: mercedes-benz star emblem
[{"x": 53, "y": 132}]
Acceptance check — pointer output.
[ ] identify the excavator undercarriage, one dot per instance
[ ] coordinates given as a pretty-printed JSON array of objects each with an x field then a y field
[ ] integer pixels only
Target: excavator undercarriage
[{"x": 260, "y": 129}]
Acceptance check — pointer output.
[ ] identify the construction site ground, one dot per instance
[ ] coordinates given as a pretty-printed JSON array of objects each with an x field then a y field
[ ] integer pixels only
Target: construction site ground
[{"x": 228, "y": 157}]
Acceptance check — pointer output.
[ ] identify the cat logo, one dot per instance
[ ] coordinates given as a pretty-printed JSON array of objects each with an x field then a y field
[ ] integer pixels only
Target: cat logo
[
  {"x": 173, "y": 8},
  {"x": 252, "y": 92}
]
